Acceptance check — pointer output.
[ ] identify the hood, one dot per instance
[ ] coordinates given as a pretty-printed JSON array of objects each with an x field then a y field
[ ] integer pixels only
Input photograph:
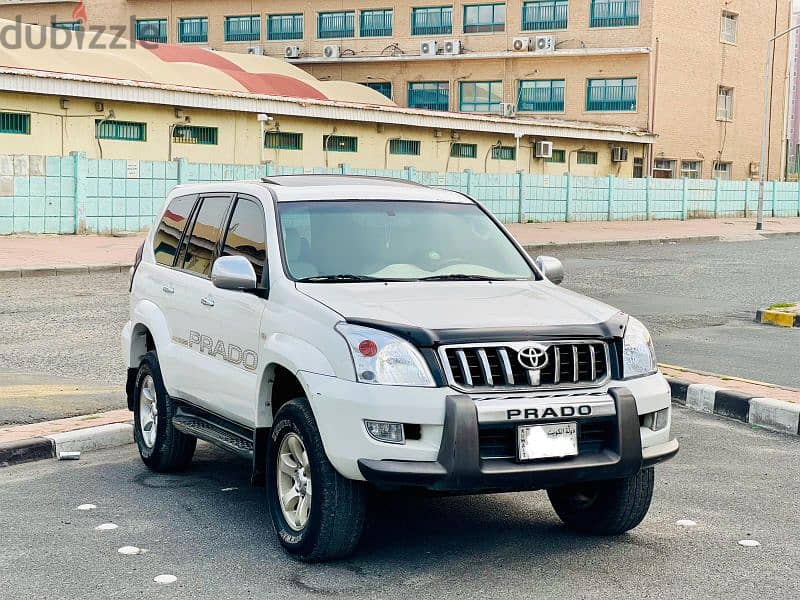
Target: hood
[{"x": 461, "y": 305}]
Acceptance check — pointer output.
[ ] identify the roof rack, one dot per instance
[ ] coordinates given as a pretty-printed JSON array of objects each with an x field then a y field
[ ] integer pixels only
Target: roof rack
[{"x": 305, "y": 179}]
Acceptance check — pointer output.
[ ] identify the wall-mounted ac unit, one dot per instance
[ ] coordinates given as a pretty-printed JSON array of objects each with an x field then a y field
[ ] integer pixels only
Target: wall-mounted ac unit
[
  {"x": 619, "y": 154},
  {"x": 521, "y": 44},
  {"x": 507, "y": 109},
  {"x": 545, "y": 44},
  {"x": 292, "y": 52},
  {"x": 543, "y": 149},
  {"x": 257, "y": 50},
  {"x": 452, "y": 47},
  {"x": 332, "y": 51},
  {"x": 428, "y": 48}
]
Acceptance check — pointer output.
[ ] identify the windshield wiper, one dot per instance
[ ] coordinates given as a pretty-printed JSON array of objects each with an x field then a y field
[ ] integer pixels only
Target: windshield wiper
[
  {"x": 342, "y": 277},
  {"x": 463, "y": 277}
]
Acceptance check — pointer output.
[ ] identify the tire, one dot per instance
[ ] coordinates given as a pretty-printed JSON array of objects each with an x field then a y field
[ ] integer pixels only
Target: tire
[
  {"x": 330, "y": 523},
  {"x": 605, "y": 507},
  {"x": 163, "y": 448}
]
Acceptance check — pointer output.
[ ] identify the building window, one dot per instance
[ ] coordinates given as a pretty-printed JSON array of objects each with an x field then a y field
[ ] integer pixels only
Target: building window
[
  {"x": 691, "y": 169},
  {"x": 544, "y": 15},
  {"x": 191, "y": 134},
  {"x": 405, "y": 147},
  {"x": 19, "y": 123},
  {"x": 376, "y": 23},
  {"x": 481, "y": 96},
  {"x": 243, "y": 29},
  {"x": 384, "y": 87},
  {"x": 340, "y": 24},
  {"x": 611, "y": 95},
  {"x": 614, "y": 13},
  {"x": 285, "y": 27},
  {"x": 724, "y": 104},
  {"x": 283, "y": 140},
  {"x": 151, "y": 30},
  {"x": 504, "y": 153},
  {"x": 730, "y": 27},
  {"x": 664, "y": 168},
  {"x": 339, "y": 143},
  {"x": 586, "y": 158},
  {"x": 559, "y": 156},
  {"x": 638, "y": 168},
  {"x": 484, "y": 18},
  {"x": 430, "y": 95},
  {"x": 126, "y": 131},
  {"x": 722, "y": 170},
  {"x": 68, "y": 25},
  {"x": 545, "y": 95},
  {"x": 193, "y": 30},
  {"x": 459, "y": 150},
  {"x": 437, "y": 20}
]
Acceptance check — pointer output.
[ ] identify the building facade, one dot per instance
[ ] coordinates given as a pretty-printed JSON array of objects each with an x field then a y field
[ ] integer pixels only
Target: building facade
[{"x": 689, "y": 72}]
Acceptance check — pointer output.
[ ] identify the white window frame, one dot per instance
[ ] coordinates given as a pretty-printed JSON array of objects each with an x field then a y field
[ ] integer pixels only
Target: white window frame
[
  {"x": 671, "y": 170},
  {"x": 695, "y": 173},
  {"x": 725, "y": 99},
  {"x": 725, "y": 174},
  {"x": 729, "y": 27}
]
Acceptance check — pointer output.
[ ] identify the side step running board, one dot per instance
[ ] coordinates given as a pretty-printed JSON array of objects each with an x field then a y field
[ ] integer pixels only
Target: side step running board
[{"x": 215, "y": 433}]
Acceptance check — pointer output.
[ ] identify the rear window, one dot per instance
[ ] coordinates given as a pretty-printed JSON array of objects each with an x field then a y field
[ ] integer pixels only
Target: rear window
[{"x": 168, "y": 235}]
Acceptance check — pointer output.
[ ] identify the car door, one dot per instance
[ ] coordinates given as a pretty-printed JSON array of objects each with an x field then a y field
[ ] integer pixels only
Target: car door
[
  {"x": 235, "y": 330},
  {"x": 193, "y": 309}
]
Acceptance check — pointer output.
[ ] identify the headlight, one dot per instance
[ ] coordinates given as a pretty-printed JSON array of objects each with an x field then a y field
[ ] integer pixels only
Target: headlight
[
  {"x": 384, "y": 359},
  {"x": 638, "y": 354}
]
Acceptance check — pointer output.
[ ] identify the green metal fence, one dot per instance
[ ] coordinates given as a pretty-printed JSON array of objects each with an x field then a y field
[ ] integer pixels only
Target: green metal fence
[{"x": 75, "y": 194}]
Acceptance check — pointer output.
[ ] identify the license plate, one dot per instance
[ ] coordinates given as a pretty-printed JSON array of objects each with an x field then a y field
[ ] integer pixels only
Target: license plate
[{"x": 556, "y": 440}]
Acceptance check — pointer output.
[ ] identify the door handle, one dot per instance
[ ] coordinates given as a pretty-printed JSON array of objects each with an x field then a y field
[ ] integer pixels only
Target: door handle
[
  {"x": 168, "y": 289},
  {"x": 207, "y": 301}
]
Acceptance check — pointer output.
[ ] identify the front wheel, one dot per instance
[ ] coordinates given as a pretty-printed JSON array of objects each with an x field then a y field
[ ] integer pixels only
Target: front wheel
[
  {"x": 318, "y": 514},
  {"x": 605, "y": 507}
]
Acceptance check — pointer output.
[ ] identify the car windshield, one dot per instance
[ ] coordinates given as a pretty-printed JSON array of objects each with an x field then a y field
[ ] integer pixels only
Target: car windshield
[{"x": 353, "y": 241}]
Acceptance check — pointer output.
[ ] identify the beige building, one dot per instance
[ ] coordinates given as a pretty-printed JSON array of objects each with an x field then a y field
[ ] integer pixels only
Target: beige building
[{"x": 690, "y": 72}]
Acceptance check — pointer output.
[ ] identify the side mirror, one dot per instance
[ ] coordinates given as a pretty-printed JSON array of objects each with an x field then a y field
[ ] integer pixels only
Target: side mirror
[
  {"x": 551, "y": 268},
  {"x": 233, "y": 273}
]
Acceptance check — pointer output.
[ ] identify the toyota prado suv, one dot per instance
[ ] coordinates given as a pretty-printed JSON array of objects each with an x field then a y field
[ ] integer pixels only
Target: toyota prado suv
[{"x": 347, "y": 333}]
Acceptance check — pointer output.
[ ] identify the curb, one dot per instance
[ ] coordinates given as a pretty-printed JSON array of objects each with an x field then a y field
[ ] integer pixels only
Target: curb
[
  {"x": 79, "y": 440},
  {"x": 58, "y": 270},
  {"x": 775, "y": 415},
  {"x": 777, "y": 318},
  {"x": 533, "y": 248}
]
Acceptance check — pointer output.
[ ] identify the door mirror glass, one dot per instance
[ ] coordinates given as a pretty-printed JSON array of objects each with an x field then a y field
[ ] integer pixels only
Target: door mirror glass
[
  {"x": 233, "y": 273},
  {"x": 551, "y": 268}
]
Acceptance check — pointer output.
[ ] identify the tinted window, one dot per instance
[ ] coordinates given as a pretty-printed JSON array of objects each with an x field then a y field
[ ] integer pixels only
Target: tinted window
[
  {"x": 206, "y": 234},
  {"x": 168, "y": 235},
  {"x": 247, "y": 235}
]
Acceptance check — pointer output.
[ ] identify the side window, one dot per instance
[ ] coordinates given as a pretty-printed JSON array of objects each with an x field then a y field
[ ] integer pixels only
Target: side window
[
  {"x": 206, "y": 234},
  {"x": 168, "y": 235},
  {"x": 246, "y": 235}
]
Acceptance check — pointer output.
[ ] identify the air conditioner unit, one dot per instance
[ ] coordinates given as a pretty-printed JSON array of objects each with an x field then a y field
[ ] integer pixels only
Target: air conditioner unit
[
  {"x": 257, "y": 50},
  {"x": 452, "y": 47},
  {"x": 292, "y": 52},
  {"x": 522, "y": 44},
  {"x": 507, "y": 109},
  {"x": 545, "y": 44},
  {"x": 332, "y": 51},
  {"x": 543, "y": 149},
  {"x": 428, "y": 48},
  {"x": 619, "y": 154}
]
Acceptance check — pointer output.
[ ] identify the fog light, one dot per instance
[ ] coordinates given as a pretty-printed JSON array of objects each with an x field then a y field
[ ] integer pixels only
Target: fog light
[
  {"x": 656, "y": 421},
  {"x": 390, "y": 433}
]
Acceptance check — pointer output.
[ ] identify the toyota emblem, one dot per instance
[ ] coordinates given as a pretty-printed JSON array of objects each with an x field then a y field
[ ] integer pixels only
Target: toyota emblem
[{"x": 534, "y": 357}]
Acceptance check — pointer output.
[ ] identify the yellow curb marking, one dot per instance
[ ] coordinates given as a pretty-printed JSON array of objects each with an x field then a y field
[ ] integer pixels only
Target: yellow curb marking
[
  {"x": 774, "y": 317},
  {"x": 17, "y": 392}
]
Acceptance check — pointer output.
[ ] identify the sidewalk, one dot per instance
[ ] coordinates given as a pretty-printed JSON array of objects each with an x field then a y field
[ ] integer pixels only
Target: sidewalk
[{"x": 53, "y": 254}]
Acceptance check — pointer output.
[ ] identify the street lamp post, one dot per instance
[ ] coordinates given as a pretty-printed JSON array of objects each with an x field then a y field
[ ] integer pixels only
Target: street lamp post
[{"x": 762, "y": 174}]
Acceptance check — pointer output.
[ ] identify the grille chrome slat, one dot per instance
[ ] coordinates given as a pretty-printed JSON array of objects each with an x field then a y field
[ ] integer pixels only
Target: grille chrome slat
[{"x": 495, "y": 366}]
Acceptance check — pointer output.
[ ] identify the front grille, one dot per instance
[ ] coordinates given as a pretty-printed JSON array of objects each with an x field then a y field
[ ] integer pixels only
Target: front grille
[
  {"x": 496, "y": 366},
  {"x": 500, "y": 441}
]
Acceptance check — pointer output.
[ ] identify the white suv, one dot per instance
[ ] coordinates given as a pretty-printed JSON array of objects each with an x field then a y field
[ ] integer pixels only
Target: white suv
[{"x": 348, "y": 332}]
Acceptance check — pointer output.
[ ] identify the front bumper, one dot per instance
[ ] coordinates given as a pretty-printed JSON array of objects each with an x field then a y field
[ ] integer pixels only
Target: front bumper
[{"x": 460, "y": 468}]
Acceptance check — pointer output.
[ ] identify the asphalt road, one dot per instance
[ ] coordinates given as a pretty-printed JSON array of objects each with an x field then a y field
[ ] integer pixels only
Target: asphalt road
[{"x": 735, "y": 482}]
